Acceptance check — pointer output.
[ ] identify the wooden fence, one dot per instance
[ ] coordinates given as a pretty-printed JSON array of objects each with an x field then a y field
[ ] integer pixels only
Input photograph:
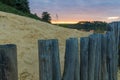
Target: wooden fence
[
  {"x": 98, "y": 59},
  {"x": 8, "y": 62}
]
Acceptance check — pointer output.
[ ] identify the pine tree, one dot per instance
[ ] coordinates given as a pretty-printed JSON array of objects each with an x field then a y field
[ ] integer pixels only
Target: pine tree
[
  {"x": 46, "y": 17},
  {"x": 23, "y": 5}
]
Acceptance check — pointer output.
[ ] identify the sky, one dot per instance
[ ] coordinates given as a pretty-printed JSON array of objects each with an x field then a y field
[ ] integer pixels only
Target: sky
[{"x": 73, "y": 11}]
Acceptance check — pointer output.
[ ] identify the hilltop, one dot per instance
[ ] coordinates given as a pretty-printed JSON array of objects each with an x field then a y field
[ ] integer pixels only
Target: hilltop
[{"x": 25, "y": 33}]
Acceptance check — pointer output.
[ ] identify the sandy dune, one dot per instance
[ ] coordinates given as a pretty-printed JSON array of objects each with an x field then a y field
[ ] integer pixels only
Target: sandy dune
[
  {"x": 25, "y": 32},
  {"x": 119, "y": 75}
]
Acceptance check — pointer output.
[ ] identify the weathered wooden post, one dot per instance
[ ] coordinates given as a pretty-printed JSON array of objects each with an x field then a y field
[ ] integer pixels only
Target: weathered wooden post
[
  {"x": 84, "y": 46},
  {"x": 104, "y": 73},
  {"x": 97, "y": 73},
  {"x": 45, "y": 59},
  {"x": 91, "y": 56},
  {"x": 70, "y": 60},
  {"x": 55, "y": 60},
  {"x": 8, "y": 62},
  {"x": 77, "y": 62},
  {"x": 119, "y": 45},
  {"x": 115, "y": 29},
  {"x": 49, "y": 60},
  {"x": 110, "y": 55}
]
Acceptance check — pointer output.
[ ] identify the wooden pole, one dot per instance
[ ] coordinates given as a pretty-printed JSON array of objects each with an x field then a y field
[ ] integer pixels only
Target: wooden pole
[
  {"x": 8, "y": 62},
  {"x": 104, "y": 73},
  {"x": 115, "y": 28},
  {"x": 49, "y": 60},
  {"x": 119, "y": 44},
  {"x": 77, "y": 63},
  {"x": 70, "y": 58},
  {"x": 55, "y": 60},
  {"x": 84, "y": 46},
  {"x": 110, "y": 55},
  {"x": 91, "y": 56},
  {"x": 115, "y": 48},
  {"x": 45, "y": 60},
  {"x": 97, "y": 73}
]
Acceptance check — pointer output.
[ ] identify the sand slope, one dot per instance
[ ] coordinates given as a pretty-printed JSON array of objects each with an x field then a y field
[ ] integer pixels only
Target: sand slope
[{"x": 25, "y": 32}]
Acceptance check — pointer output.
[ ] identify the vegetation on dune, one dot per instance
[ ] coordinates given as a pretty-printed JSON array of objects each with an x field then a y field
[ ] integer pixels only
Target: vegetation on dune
[
  {"x": 96, "y": 26},
  {"x": 9, "y": 9},
  {"x": 46, "y": 17},
  {"x": 22, "y": 5},
  {"x": 8, "y": 2}
]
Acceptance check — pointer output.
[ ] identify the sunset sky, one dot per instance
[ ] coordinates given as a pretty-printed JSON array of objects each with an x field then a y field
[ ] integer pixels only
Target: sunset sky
[{"x": 71, "y": 11}]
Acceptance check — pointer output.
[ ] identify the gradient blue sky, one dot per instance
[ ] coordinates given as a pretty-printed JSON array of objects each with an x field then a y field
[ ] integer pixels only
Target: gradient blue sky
[{"x": 78, "y": 10}]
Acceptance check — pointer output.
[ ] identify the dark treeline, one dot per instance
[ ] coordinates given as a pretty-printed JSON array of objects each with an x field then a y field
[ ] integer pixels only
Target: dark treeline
[
  {"x": 22, "y": 5},
  {"x": 97, "y": 26}
]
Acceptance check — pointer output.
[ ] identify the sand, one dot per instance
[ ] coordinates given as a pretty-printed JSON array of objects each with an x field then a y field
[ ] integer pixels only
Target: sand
[
  {"x": 119, "y": 75},
  {"x": 25, "y": 33}
]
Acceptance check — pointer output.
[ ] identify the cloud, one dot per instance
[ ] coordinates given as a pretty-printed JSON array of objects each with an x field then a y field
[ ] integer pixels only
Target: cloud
[{"x": 113, "y": 18}]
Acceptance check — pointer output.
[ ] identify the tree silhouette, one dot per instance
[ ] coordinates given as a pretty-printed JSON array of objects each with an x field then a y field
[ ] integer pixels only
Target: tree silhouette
[
  {"x": 46, "y": 17},
  {"x": 8, "y": 2},
  {"x": 22, "y": 5}
]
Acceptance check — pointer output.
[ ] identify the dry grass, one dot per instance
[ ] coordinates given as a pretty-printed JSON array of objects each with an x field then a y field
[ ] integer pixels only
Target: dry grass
[
  {"x": 25, "y": 32},
  {"x": 119, "y": 75}
]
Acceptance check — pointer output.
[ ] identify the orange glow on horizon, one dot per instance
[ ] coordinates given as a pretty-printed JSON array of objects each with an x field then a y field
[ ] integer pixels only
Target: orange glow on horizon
[
  {"x": 64, "y": 22},
  {"x": 69, "y": 22},
  {"x": 73, "y": 22}
]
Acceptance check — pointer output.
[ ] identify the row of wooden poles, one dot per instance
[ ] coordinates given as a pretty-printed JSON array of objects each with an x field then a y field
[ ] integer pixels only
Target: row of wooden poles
[{"x": 98, "y": 58}]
